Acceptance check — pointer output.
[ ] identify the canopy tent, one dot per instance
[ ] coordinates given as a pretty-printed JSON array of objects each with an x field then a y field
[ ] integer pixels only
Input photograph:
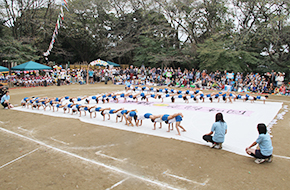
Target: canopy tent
[
  {"x": 2, "y": 69},
  {"x": 99, "y": 62},
  {"x": 31, "y": 65},
  {"x": 113, "y": 64}
]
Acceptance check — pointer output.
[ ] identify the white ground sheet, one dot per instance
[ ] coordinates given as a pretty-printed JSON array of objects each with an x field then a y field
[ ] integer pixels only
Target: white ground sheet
[{"x": 241, "y": 117}]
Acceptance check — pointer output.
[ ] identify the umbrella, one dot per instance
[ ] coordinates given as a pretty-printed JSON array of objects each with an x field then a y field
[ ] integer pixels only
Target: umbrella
[
  {"x": 30, "y": 65},
  {"x": 113, "y": 64},
  {"x": 99, "y": 62},
  {"x": 3, "y": 69}
]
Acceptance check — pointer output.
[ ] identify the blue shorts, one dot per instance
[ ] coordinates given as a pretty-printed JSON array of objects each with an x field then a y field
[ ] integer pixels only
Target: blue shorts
[
  {"x": 132, "y": 114},
  {"x": 165, "y": 117},
  {"x": 178, "y": 118},
  {"x": 147, "y": 115}
]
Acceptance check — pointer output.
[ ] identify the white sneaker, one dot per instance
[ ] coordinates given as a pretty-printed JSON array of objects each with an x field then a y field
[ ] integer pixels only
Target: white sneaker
[
  {"x": 259, "y": 161},
  {"x": 6, "y": 108},
  {"x": 269, "y": 160}
]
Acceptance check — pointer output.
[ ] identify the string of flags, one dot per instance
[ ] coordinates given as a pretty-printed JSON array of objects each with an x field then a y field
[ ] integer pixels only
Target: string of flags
[{"x": 57, "y": 26}]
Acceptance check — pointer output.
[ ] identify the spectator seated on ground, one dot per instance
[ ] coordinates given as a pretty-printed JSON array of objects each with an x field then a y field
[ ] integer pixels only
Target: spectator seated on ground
[{"x": 5, "y": 101}]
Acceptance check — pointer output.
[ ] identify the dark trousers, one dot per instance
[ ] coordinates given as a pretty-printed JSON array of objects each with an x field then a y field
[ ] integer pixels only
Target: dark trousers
[
  {"x": 208, "y": 138},
  {"x": 4, "y": 105}
]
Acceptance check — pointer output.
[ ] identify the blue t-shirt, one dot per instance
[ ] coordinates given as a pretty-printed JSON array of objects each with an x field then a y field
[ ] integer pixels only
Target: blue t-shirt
[
  {"x": 91, "y": 73},
  {"x": 4, "y": 98},
  {"x": 265, "y": 144},
  {"x": 219, "y": 129}
]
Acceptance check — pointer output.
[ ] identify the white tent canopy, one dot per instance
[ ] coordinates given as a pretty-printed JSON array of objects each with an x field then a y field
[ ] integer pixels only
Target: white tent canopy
[{"x": 99, "y": 62}]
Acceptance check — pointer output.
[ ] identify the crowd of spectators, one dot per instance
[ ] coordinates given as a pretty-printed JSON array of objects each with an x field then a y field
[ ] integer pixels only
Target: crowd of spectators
[{"x": 270, "y": 82}]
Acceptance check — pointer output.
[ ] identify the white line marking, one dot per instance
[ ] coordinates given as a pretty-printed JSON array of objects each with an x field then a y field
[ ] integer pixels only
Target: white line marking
[
  {"x": 104, "y": 155},
  {"x": 158, "y": 183},
  {"x": 18, "y": 158},
  {"x": 285, "y": 157},
  {"x": 59, "y": 141},
  {"x": 23, "y": 129},
  {"x": 120, "y": 182},
  {"x": 91, "y": 147},
  {"x": 184, "y": 179}
]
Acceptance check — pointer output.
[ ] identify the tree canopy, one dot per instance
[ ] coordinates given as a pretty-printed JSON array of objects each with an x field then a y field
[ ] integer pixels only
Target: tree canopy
[{"x": 234, "y": 35}]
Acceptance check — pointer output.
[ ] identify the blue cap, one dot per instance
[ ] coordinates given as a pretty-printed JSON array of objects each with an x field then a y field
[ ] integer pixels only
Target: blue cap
[
  {"x": 57, "y": 105},
  {"x": 77, "y": 106},
  {"x": 239, "y": 96},
  {"x": 197, "y": 91},
  {"x": 160, "y": 90},
  {"x": 114, "y": 96},
  {"x": 152, "y": 95},
  {"x": 231, "y": 94},
  {"x": 70, "y": 105},
  {"x": 79, "y": 99},
  {"x": 192, "y": 96},
  {"x": 94, "y": 97},
  {"x": 56, "y": 99},
  {"x": 122, "y": 95},
  {"x": 217, "y": 95},
  {"x": 142, "y": 94},
  {"x": 224, "y": 95},
  {"x": 258, "y": 97},
  {"x": 131, "y": 96},
  {"x": 172, "y": 90},
  {"x": 180, "y": 96},
  {"x": 201, "y": 95},
  {"x": 247, "y": 95},
  {"x": 167, "y": 95},
  {"x": 86, "y": 108},
  {"x": 208, "y": 95},
  {"x": 37, "y": 101},
  {"x": 151, "y": 88},
  {"x": 67, "y": 97},
  {"x": 143, "y": 88},
  {"x": 104, "y": 96},
  {"x": 110, "y": 95},
  {"x": 220, "y": 92}
]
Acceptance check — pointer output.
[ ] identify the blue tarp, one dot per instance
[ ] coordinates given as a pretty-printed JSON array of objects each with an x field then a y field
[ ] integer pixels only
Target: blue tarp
[
  {"x": 3, "y": 69},
  {"x": 112, "y": 63}
]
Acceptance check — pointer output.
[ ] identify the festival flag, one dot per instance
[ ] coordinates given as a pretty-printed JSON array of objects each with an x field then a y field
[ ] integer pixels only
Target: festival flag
[
  {"x": 65, "y": 2},
  {"x": 65, "y": 7},
  {"x": 57, "y": 26}
]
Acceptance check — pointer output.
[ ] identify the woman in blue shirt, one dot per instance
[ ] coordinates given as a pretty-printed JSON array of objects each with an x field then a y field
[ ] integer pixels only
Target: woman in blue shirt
[
  {"x": 219, "y": 129},
  {"x": 5, "y": 101},
  {"x": 266, "y": 149}
]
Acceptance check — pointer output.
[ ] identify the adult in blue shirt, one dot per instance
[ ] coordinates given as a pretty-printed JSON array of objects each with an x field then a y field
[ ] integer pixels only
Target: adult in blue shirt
[
  {"x": 5, "y": 101},
  {"x": 266, "y": 149},
  {"x": 91, "y": 76},
  {"x": 219, "y": 130}
]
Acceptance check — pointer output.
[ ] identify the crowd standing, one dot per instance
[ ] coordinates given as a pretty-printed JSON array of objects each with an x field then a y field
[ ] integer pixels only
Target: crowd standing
[{"x": 270, "y": 82}]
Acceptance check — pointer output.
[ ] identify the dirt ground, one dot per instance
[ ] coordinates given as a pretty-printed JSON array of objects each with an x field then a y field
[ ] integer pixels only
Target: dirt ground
[{"x": 43, "y": 152}]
